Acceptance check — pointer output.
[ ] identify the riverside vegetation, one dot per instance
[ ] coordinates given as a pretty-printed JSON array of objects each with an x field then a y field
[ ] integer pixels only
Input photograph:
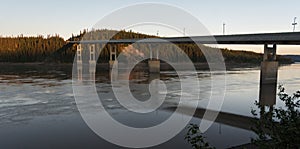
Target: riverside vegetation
[{"x": 276, "y": 128}]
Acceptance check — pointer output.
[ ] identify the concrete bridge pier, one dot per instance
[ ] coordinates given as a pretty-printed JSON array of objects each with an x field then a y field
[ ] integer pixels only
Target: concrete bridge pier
[
  {"x": 79, "y": 62},
  {"x": 268, "y": 76},
  {"x": 113, "y": 56},
  {"x": 79, "y": 54},
  {"x": 154, "y": 63},
  {"x": 92, "y": 62}
]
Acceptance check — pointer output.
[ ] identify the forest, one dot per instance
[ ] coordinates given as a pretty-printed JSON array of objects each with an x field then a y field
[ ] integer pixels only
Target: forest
[{"x": 54, "y": 49}]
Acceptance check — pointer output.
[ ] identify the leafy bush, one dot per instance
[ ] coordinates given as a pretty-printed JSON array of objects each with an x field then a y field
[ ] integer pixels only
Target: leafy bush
[
  {"x": 279, "y": 127},
  {"x": 195, "y": 137}
]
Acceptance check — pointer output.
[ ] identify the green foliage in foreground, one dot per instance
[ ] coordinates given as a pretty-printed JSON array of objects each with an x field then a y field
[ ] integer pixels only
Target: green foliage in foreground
[
  {"x": 279, "y": 127},
  {"x": 195, "y": 138}
]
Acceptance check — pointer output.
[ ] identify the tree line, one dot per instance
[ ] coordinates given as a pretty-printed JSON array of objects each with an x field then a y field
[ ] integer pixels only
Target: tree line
[
  {"x": 29, "y": 49},
  {"x": 56, "y": 49}
]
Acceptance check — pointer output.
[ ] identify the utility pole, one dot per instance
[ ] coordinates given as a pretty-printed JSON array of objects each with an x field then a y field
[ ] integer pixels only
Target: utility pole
[
  {"x": 224, "y": 25},
  {"x": 183, "y": 31},
  {"x": 294, "y": 24}
]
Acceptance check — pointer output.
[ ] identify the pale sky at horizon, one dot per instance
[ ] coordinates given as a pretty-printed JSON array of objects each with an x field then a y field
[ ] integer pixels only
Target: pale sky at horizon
[{"x": 40, "y": 17}]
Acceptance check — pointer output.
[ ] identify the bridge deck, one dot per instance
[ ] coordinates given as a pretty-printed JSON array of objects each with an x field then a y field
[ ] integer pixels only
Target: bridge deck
[{"x": 289, "y": 38}]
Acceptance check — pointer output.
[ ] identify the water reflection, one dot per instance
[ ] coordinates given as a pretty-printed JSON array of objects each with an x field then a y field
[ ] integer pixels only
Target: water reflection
[
  {"x": 267, "y": 94},
  {"x": 264, "y": 126},
  {"x": 79, "y": 72},
  {"x": 40, "y": 99}
]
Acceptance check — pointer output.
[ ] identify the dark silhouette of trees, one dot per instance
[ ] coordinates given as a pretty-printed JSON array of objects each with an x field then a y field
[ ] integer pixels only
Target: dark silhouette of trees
[
  {"x": 28, "y": 49},
  {"x": 278, "y": 127}
]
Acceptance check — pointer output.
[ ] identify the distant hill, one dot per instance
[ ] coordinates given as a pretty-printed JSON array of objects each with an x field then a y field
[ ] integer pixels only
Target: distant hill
[
  {"x": 56, "y": 49},
  {"x": 295, "y": 58}
]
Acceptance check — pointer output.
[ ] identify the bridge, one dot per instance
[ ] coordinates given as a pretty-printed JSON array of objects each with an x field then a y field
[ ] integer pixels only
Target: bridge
[
  {"x": 269, "y": 65},
  {"x": 269, "y": 40},
  {"x": 288, "y": 38}
]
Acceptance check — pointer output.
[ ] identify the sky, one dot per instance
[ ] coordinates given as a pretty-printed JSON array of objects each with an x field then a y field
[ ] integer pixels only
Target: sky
[{"x": 64, "y": 17}]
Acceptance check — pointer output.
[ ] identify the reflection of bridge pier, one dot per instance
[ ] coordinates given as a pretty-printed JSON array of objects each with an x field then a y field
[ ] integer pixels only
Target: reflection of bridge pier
[
  {"x": 154, "y": 63},
  {"x": 153, "y": 76},
  {"x": 154, "y": 66}
]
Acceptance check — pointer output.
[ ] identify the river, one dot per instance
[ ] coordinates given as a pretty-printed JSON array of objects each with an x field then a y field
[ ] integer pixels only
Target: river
[{"x": 38, "y": 109}]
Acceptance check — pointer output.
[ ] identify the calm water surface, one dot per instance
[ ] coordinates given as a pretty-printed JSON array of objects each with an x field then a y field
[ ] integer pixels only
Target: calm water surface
[{"x": 38, "y": 110}]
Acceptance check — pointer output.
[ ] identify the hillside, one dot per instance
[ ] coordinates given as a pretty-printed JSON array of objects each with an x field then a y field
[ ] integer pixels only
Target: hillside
[
  {"x": 29, "y": 49},
  {"x": 295, "y": 58},
  {"x": 55, "y": 49}
]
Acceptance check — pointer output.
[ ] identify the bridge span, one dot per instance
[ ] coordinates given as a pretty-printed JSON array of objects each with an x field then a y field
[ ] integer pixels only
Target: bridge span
[{"x": 288, "y": 38}]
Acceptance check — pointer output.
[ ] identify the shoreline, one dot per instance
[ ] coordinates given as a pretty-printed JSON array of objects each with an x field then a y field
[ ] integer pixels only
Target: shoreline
[{"x": 142, "y": 66}]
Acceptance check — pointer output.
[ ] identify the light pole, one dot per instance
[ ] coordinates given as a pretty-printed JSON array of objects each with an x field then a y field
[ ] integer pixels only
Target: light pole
[
  {"x": 224, "y": 25},
  {"x": 294, "y": 24}
]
